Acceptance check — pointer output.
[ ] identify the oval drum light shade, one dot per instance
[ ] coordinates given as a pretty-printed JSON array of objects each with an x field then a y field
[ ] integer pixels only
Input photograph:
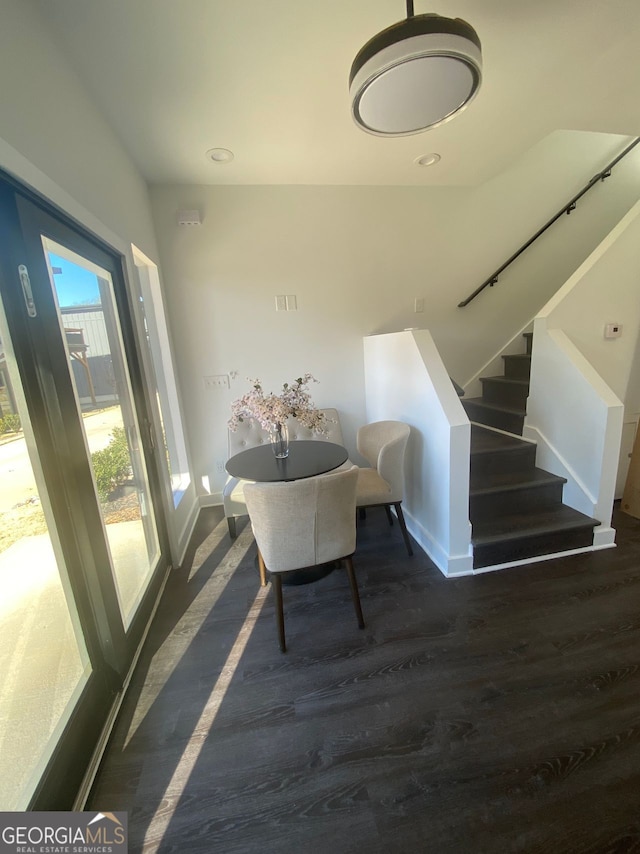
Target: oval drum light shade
[{"x": 415, "y": 75}]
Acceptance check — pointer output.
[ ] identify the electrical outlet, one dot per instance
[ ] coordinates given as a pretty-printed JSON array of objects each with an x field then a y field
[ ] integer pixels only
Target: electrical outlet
[
  {"x": 418, "y": 304},
  {"x": 281, "y": 302},
  {"x": 217, "y": 381},
  {"x": 220, "y": 466}
]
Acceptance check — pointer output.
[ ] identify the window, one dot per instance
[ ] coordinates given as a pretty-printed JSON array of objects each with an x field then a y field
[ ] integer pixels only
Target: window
[{"x": 157, "y": 336}]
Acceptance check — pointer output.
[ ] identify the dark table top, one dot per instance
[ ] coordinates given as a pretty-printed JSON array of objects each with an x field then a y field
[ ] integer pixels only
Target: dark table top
[{"x": 307, "y": 457}]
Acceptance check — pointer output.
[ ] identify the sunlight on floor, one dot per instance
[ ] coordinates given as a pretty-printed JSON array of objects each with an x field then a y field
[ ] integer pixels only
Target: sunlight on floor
[
  {"x": 181, "y": 637},
  {"x": 164, "y": 813}
]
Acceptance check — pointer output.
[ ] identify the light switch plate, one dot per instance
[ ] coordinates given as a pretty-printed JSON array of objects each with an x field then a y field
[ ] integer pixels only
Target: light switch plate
[{"x": 217, "y": 381}]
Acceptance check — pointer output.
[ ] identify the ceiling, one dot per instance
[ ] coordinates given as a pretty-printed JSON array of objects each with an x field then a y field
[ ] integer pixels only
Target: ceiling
[{"x": 268, "y": 79}]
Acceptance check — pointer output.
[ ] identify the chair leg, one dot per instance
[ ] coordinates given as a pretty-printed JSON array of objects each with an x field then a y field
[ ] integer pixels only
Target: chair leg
[
  {"x": 277, "y": 586},
  {"x": 403, "y": 527},
  {"x": 389, "y": 516},
  {"x": 231, "y": 522},
  {"x": 263, "y": 570},
  {"x": 354, "y": 591}
]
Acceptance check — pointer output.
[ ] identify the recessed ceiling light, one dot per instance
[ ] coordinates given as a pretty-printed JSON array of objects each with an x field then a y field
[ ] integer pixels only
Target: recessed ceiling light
[
  {"x": 220, "y": 155},
  {"x": 427, "y": 159}
]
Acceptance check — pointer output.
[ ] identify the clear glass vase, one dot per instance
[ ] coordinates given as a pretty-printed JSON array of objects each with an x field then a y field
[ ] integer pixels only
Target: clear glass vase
[{"x": 280, "y": 441}]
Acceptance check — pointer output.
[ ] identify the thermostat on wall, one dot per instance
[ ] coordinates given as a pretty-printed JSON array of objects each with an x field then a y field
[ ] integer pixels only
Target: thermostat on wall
[{"x": 613, "y": 330}]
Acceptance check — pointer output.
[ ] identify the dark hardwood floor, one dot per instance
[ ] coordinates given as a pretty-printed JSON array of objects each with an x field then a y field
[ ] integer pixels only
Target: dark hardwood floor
[{"x": 495, "y": 713}]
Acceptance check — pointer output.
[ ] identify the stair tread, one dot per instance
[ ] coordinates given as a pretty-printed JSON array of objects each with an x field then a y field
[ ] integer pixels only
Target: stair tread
[
  {"x": 487, "y": 484},
  {"x": 479, "y": 401},
  {"x": 538, "y": 522},
  {"x": 485, "y": 441}
]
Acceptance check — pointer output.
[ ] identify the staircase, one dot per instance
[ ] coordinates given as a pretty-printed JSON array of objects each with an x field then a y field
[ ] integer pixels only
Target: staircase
[{"x": 515, "y": 508}]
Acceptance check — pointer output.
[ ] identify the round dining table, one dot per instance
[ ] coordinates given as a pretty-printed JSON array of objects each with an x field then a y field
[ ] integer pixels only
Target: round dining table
[{"x": 307, "y": 458}]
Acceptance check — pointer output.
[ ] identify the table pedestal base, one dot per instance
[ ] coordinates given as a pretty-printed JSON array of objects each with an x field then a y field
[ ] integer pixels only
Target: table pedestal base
[
  {"x": 303, "y": 576},
  {"x": 309, "y": 574}
]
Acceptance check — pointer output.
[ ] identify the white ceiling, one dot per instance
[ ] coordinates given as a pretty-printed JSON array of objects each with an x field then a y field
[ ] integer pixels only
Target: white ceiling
[{"x": 268, "y": 79}]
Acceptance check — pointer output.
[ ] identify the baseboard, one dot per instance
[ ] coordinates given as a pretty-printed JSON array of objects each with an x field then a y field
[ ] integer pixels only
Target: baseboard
[
  {"x": 451, "y": 566},
  {"x": 213, "y": 499},
  {"x": 604, "y": 538}
]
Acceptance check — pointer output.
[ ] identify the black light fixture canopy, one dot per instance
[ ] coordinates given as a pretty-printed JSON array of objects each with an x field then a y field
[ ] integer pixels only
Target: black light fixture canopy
[{"x": 415, "y": 74}]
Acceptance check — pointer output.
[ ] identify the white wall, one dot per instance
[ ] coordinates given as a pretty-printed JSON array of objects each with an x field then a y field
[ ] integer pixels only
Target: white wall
[
  {"x": 53, "y": 138},
  {"x": 406, "y": 381},
  {"x": 47, "y": 116},
  {"x": 576, "y": 421},
  {"x": 356, "y": 258},
  {"x": 604, "y": 289},
  {"x": 608, "y": 282}
]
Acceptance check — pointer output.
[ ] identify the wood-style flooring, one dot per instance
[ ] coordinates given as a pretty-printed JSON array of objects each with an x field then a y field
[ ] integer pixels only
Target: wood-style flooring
[{"x": 495, "y": 713}]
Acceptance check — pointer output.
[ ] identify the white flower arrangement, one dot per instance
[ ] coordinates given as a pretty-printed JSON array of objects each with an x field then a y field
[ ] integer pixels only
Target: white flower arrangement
[{"x": 271, "y": 411}]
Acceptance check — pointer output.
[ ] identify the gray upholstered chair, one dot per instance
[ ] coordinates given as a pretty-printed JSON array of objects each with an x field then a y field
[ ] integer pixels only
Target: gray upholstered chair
[
  {"x": 383, "y": 445},
  {"x": 304, "y": 523},
  {"x": 249, "y": 435}
]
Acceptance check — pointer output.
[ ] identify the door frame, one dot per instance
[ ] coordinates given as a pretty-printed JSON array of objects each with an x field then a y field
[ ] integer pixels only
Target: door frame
[{"x": 47, "y": 392}]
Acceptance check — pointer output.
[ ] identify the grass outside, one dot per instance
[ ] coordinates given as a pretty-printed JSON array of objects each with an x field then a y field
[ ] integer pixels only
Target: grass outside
[{"x": 26, "y": 519}]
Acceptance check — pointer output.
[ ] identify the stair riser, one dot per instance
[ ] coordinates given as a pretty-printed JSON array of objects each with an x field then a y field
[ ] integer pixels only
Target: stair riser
[
  {"x": 499, "y": 420},
  {"x": 501, "y": 462},
  {"x": 517, "y": 368},
  {"x": 527, "y": 547},
  {"x": 483, "y": 507},
  {"x": 505, "y": 394}
]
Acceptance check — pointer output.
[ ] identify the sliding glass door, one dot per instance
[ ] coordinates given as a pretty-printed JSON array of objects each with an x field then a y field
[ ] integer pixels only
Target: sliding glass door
[
  {"x": 82, "y": 537},
  {"x": 43, "y": 655}
]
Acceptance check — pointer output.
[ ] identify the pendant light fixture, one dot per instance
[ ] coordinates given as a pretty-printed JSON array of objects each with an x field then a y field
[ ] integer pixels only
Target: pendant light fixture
[{"x": 415, "y": 75}]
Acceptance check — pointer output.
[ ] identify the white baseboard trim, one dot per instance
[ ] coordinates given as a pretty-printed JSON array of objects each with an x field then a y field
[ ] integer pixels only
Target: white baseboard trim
[
  {"x": 604, "y": 538},
  {"x": 213, "y": 499},
  {"x": 451, "y": 566}
]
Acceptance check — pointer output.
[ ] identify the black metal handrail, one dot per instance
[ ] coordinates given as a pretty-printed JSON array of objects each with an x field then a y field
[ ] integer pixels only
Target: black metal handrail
[{"x": 570, "y": 206}]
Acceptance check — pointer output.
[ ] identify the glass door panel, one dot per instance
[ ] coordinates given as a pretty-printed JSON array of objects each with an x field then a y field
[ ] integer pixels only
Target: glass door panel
[
  {"x": 77, "y": 482},
  {"x": 43, "y": 657},
  {"x": 88, "y": 318}
]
